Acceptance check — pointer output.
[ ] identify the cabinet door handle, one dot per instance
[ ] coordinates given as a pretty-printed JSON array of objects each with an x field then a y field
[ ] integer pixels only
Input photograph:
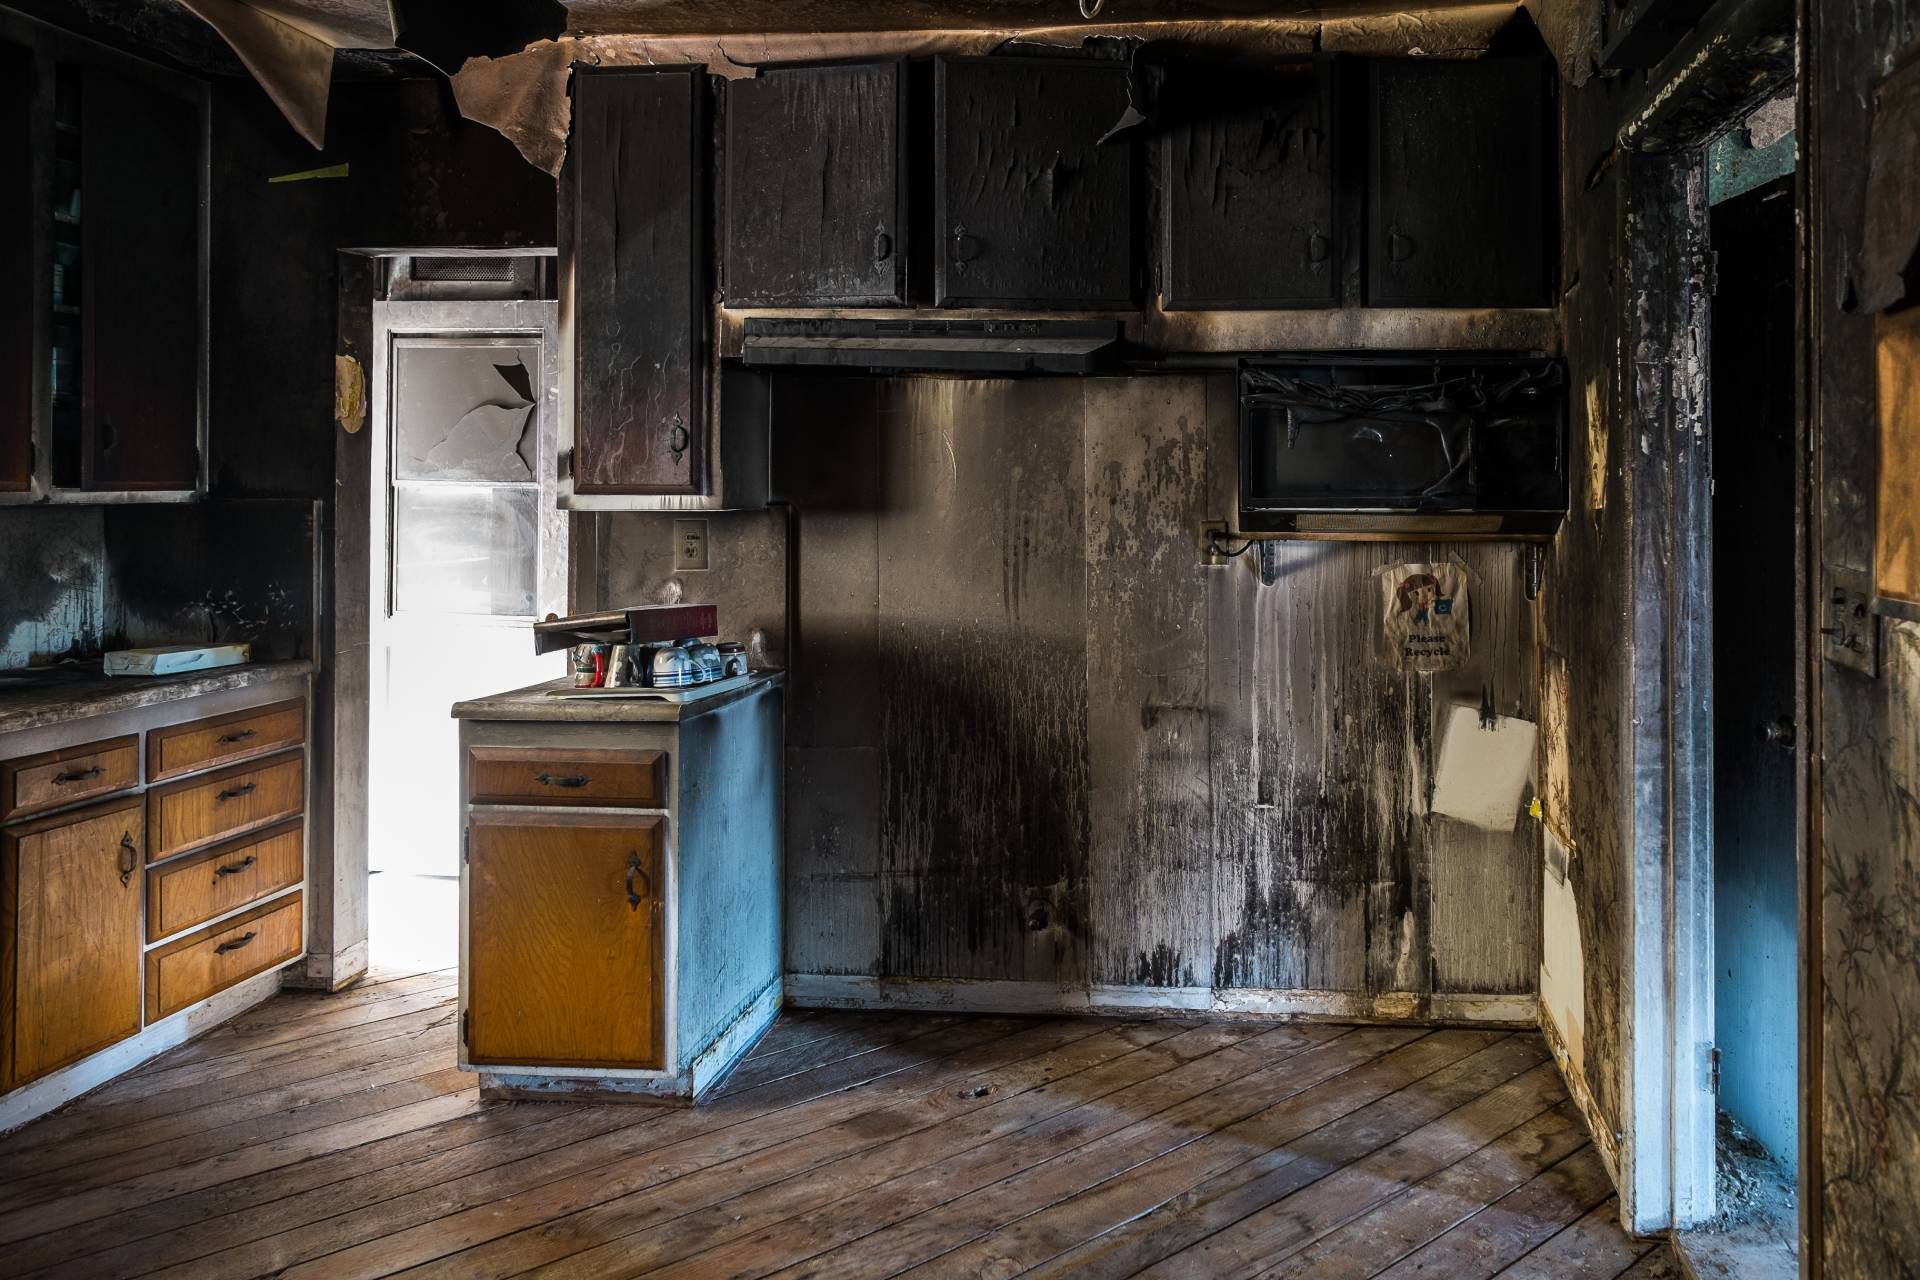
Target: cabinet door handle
[
  {"x": 234, "y": 793},
  {"x": 241, "y": 736},
  {"x": 965, "y": 247},
  {"x": 1319, "y": 247},
  {"x": 1399, "y": 247},
  {"x": 129, "y": 857},
  {"x": 234, "y": 868},
  {"x": 77, "y": 775},
  {"x": 570, "y": 780},
  {"x": 236, "y": 944},
  {"x": 678, "y": 439},
  {"x": 882, "y": 244},
  {"x": 633, "y": 869}
]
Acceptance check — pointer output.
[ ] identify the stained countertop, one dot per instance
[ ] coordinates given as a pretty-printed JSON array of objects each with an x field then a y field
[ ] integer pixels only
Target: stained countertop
[
  {"x": 536, "y": 702},
  {"x": 57, "y": 699}
]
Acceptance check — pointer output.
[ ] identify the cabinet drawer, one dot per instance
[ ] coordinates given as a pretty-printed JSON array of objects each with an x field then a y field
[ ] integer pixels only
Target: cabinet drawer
[
  {"x": 193, "y": 890},
  {"x": 198, "y": 811},
  {"x": 202, "y": 744},
  {"x": 54, "y": 778},
  {"x": 567, "y": 776},
  {"x": 206, "y": 963}
]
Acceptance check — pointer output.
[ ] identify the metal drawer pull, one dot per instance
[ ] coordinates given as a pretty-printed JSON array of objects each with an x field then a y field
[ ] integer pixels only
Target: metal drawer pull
[
  {"x": 633, "y": 869},
  {"x": 78, "y": 775},
  {"x": 234, "y": 869},
  {"x": 571, "y": 780},
  {"x": 236, "y": 944},
  {"x": 234, "y": 793},
  {"x": 241, "y": 736},
  {"x": 129, "y": 857}
]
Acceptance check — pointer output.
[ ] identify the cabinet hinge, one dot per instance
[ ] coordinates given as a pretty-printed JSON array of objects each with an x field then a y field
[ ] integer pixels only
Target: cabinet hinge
[
  {"x": 1713, "y": 1070},
  {"x": 465, "y": 1018},
  {"x": 565, "y": 465},
  {"x": 466, "y": 843}
]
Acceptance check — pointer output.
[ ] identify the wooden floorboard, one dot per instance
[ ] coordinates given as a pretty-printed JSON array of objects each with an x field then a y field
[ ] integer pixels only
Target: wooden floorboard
[{"x": 330, "y": 1136}]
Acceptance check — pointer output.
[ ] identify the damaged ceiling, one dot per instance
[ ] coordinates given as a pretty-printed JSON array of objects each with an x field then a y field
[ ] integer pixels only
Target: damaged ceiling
[{"x": 510, "y": 60}]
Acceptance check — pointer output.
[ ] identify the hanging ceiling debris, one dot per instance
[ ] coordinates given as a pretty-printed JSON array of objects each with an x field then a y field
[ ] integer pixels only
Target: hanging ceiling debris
[{"x": 510, "y": 62}]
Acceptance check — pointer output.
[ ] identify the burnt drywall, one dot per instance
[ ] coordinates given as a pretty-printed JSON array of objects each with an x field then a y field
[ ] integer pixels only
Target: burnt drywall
[
  {"x": 416, "y": 175},
  {"x": 1033, "y": 738},
  {"x": 1868, "y": 815},
  {"x": 53, "y": 584}
]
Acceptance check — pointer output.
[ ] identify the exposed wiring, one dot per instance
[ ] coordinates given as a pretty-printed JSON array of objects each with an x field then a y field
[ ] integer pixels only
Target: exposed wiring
[
  {"x": 1090, "y": 9},
  {"x": 1215, "y": 538}
]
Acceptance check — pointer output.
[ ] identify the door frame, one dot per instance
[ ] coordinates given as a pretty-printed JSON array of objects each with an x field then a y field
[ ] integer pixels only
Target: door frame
[
  {"x": 1742, "y": 54},
  {"x": 337, "y": 812}
]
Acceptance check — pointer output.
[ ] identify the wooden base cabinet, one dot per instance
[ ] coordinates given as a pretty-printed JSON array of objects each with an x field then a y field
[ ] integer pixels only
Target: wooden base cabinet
[
  {"x": 70, "y": 921},
  {"x": 564, "y": 945},
  {"x": 619, "y": 922}
]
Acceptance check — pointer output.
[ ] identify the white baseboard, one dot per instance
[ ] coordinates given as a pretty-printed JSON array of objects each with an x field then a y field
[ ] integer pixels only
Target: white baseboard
[
  {"x": 32, "y": 1101},
  {"x": 957, "y": 995}
]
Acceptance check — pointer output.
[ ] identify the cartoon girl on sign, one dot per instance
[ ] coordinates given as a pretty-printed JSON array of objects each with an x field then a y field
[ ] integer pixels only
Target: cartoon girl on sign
[{"x": 1423, "y": 628}]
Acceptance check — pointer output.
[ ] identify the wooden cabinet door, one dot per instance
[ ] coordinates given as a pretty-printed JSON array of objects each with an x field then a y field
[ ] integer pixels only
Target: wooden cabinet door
[
  {"x": 635, "y": 258},
  {"x": 1462, "y": 173},
  {"x": 19, "y": 293},
  {"x": 1248, "y": 198},
  {"x": 71, "y": 935},
  {"x": 564, "y": 936},
  {"x": 816, "y": 202},
  {"x": 1031, "y": 210},
  {"x": 141, "y": 160}
]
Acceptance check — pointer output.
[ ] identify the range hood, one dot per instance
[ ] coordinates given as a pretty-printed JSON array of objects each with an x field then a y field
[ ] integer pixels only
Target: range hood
[{"x": 955, "y": 346}]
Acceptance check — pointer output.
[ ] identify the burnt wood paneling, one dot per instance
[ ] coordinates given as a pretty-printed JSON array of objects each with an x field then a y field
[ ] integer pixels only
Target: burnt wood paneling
[
  {"x": 637, "y": 256},
  {"x": 140, "y": 227},
  {"x": 1248, "y": 196},
  {"x": 1031, "y": 208},
  {"x": 18, "y": 298},
  {"x": 816, "y": 196},
  {"x": 1460, "y": 198}
]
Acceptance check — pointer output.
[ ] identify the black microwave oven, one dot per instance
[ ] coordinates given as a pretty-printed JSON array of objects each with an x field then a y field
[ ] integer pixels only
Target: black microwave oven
[{"x": 1420, "y": 446}]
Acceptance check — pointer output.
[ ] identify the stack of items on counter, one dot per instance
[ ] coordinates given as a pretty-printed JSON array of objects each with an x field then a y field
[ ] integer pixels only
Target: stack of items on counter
[{"x": 645, "y": 647}]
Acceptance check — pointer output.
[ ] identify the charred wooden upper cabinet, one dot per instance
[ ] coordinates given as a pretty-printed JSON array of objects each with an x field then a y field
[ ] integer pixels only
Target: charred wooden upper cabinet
[
  {"x": 816, "y": 202},
  {"x": 1031, "y": 209},
  {"x": 1249, "y": 206},
  {"x": 1461, "y": 200},
  {"x": 18, "y": 292},
  {"x": 140, "y": 172},
  {"x": 635, "y": 263}
]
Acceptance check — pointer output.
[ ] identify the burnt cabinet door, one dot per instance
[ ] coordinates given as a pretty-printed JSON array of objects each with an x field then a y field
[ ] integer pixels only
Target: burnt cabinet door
[
  {"x": 19, "y": 295},
  {"x": 1461, "y": 205},
  {"x": 565, "y": 954},
  {"x": 634, "y": 249},
  {"x": 140, "y": 167},
  {"x": 1249, "y": 204},
  {"x": 70, "y": 912},
  {"x": 816, "y": 187},
  {"x": 1031, "y": 210}
]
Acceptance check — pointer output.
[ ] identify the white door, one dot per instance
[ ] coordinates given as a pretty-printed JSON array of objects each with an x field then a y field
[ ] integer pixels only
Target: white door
[{"x": 471, "y": 546}]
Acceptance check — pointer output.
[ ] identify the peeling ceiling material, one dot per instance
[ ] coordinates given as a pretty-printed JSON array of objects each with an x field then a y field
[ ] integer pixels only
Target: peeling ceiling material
[
  {"x": 524, "y": 95},
  {"x": 1891, "y": 265},
  {"x": 292, "y": 64}
]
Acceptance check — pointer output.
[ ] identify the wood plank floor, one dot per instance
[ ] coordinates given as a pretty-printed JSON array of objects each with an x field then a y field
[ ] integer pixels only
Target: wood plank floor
[{"x": 330, "y": 1136}]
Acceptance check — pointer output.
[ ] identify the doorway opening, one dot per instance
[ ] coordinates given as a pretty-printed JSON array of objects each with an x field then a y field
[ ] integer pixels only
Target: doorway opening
[
  {"x": 1756, "y": 872},
  {"x": 466, "y": 547}
]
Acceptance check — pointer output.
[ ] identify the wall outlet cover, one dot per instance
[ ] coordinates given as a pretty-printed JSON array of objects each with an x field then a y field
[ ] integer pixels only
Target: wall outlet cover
[{"x": 691, "y": 552}]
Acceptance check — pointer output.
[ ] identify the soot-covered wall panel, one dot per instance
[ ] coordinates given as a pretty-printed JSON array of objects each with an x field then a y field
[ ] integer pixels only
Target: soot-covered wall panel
[{"x": 1033, "y": 738}]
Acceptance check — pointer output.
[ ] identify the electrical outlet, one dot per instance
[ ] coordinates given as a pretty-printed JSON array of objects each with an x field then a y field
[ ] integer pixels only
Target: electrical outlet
[
  {"x": 1211, "y": 534},
  {"x": 690, "y": 553}
]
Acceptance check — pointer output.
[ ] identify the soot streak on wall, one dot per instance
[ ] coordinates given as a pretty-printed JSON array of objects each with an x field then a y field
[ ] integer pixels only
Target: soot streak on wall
[{"x": 1032, "y": 737}]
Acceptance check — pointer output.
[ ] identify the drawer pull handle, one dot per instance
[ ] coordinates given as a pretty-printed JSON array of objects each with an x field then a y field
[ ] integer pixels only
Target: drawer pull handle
[
  {"x": 633, "y": 869},
  {"x": 129, "y": 857},
  {"x": 234, "y": 793},
  {"x": 236, "y": 944},
  {"x": 241, "y": 736},
  {"x": 234, "y": 868},
  {"x": 571, "y": 780},
  {"x": 77, "y": 775}
]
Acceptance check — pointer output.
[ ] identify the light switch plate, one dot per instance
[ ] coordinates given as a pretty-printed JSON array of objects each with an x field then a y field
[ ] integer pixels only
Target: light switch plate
[{"x": 690, "y": 550}]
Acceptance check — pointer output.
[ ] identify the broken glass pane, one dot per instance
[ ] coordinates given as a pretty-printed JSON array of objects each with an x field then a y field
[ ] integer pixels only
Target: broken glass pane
[
  {"x": 464, "y": 411},
  {"x": 465, "y": 550}
]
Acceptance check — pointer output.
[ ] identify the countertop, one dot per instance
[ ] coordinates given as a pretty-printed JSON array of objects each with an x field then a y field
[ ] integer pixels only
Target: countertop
[
  {"x": 533, "y": 703},
  {"x": 59, "y": 700}
]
